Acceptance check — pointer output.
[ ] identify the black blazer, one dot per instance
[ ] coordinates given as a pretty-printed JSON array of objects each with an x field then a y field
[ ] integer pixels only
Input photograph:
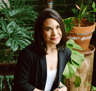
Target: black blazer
[{"x": 31, "y": 70}]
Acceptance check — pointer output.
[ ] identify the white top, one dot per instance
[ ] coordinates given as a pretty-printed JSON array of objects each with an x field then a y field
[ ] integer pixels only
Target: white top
[{"x": 50, "y": 79}]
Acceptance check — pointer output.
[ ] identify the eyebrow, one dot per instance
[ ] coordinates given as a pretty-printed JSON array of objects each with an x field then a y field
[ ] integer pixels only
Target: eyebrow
[
  {"x": 47, "y": 27},
  {"x": 50, "y": 27}
]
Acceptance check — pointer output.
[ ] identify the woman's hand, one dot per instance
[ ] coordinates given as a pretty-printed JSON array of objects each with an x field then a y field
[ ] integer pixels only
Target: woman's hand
[
  {"x": 61, "y": 89},
  {"x": 37, "y": 89}
]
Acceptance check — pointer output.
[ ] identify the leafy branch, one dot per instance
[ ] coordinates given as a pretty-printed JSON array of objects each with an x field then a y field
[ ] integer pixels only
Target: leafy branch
[{"x": 75, "y": 62}]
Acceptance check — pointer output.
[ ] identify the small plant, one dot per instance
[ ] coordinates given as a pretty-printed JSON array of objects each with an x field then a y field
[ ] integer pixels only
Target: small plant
[
  {"x": 84, "y": 11},
  {"x": 93, "y": 88}
]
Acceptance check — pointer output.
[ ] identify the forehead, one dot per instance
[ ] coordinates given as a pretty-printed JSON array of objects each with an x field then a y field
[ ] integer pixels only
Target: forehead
[{"x": 50, "y": 22}]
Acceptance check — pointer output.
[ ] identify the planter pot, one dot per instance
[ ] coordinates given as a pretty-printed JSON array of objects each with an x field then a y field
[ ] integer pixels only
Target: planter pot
[
  {"x": 82, "y": 35},
  {"x": 7, "y": 68}
]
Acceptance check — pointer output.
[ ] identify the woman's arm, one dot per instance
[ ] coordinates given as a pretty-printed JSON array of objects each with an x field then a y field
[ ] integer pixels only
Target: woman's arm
[{"x": 22, "y": 73}]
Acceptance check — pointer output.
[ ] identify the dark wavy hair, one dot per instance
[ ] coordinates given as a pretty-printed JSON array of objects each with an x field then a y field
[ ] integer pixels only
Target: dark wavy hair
[{"x": 38, "y": 35}]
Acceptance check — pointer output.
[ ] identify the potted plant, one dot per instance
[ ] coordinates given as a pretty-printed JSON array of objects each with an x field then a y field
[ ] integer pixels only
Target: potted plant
[
  {"x": 84, "y": 24},
  {"x": 15, "y": 32}
]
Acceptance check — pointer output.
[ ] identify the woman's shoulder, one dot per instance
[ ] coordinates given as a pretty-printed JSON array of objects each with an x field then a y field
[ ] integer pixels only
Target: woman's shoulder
[
  {"x": 29, "y": 49},
  {"x": 67, "y": 51}
]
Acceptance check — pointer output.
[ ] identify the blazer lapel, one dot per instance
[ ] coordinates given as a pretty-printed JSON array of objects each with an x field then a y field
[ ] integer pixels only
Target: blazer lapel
[
  {"x": 44, "y": 70},
  {"x": 59, "y": 70}
]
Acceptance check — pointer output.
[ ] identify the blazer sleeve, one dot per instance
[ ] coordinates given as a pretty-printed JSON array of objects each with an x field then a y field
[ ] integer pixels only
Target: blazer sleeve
[
  {"x": 21, "y": 76},
  {"x": 68, "y": 54}
]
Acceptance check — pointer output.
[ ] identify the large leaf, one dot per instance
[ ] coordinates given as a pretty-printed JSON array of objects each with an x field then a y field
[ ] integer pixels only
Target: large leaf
[
  {"x": 71, "y": 44},
  {"x": 77, "y": 56},
  {"x": 2, "y": 36},
  {"x": 69, "y": 70},
  {"x": 68, "y": 24},
  {"x": 75, "y": 62},
  {"x": 18, "y": 11},
  {"x": 16, "y": 46},
  {"x": 3, "y": 24},
  {"x": 77, "y": 81},
  {"x": 93, "y": 5},
  {"x": 9, "y": 42}
]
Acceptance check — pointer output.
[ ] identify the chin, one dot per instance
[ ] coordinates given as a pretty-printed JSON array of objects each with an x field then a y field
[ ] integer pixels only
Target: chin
[{"x": 55, "y": 42}]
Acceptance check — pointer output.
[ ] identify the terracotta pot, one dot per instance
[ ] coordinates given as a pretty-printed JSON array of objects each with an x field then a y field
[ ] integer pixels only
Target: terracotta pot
[
  {"x": 7, "y": 68},
  {"x": 82, "y": 35}
]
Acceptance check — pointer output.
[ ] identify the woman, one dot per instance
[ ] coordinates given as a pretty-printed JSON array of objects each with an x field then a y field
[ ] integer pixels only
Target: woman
[{"x": 41, "y": 64}]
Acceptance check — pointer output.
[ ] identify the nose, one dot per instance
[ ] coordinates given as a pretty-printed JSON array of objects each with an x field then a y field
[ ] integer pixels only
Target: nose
[{"x": 54, "y": 32}]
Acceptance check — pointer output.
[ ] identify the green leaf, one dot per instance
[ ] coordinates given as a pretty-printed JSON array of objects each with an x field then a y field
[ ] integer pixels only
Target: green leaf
[
  {"x": 27, "y": 41},
  {"x": 93, "y": 5},
  {"x": 71, "y": 44},
  {"x": 3, "y": 23},
  {"x": 14, "y": 46},
  {"x": 77, "y": 57},
  {"x": 69, "y": 70},
  {"x": 13, "y": 43},
  {"x": 23, "y": 42},
  {"x": 94, "y": 88},
  {"x": 5, "y": 4},
  {"x": 84, "y": 10},
  {"x": 8, "y": 42},
  {"x": 68, "y": 24},
  {"x": 1, "y": 32},
  {"x": 77, "y": 81},
  {"x": 87, "y": 84},
  {"x": 2, "y": 36},
  {"x": 10, "y": 4},
  {"x": 75, "y": 64}
]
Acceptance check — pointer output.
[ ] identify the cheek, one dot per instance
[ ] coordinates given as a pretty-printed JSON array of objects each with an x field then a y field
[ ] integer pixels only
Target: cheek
[
  {"x": 45, "y": 35},
  {"x": 60, "y": 33}
]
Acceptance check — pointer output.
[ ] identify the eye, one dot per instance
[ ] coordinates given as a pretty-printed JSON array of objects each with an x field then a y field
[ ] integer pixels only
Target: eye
[
  {"x": 58, "y": 26},
  {"x": 48, "y": 29}
]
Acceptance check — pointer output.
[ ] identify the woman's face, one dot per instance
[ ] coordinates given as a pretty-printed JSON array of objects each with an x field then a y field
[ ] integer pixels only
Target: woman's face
[{"x": 52, "y": 33}]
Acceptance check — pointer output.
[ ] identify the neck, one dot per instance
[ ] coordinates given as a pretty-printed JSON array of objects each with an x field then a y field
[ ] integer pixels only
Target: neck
[{"x": 51, "y": 48}]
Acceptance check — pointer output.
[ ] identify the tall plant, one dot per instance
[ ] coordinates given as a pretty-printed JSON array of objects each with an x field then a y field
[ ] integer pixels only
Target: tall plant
[
  {"x": 18, "y": 11},
  {"x": 84, "y": 11},
  {"x": 12, "y": 30}
]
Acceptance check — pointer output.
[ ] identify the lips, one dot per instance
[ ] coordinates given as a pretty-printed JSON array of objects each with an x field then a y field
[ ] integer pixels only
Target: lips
[{"x": 54, "y": 38}]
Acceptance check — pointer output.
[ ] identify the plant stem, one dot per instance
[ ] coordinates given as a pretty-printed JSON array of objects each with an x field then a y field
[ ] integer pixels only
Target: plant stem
[{"x": 79, "y": 24}]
